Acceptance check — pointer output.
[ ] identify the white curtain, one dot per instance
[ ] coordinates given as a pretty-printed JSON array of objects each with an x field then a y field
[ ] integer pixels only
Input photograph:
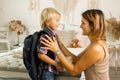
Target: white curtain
[
  {"x": 34, "y": 5},
  {"x": 66, "y": 7},
  {"x": 93, "y": 4}
]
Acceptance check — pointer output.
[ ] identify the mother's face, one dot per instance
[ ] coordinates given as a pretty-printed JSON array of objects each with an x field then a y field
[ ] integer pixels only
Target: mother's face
[{"x": 86, "y": 28}]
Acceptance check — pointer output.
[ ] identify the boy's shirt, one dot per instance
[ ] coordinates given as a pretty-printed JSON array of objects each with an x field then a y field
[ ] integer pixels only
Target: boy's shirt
[{"x": 40, "y": 49}]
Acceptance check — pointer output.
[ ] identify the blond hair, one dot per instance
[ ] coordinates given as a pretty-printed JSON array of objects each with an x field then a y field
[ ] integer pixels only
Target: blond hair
[
  {"x": 46, "y": 15},
  {"x": 96, "y": 20}
]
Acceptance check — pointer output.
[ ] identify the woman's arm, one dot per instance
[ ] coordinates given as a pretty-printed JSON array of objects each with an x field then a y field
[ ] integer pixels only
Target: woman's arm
[
  {"x": 89, "y": 57},
  {"x": 65, "y": 51}
]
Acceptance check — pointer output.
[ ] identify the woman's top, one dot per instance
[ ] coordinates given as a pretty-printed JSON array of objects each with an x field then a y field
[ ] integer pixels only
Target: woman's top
[{"x": 100, "y": 70}]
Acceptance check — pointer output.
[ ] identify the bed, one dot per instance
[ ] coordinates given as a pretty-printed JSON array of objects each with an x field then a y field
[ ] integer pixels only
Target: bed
[{"x": 11, "y": 63}]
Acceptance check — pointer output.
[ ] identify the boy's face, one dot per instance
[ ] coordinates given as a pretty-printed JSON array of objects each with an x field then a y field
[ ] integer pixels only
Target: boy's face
[{"x": 54, "y": 22}]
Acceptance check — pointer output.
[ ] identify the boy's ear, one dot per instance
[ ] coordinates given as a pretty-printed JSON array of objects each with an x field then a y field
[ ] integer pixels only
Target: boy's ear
[{"x": 47, "y": 23}]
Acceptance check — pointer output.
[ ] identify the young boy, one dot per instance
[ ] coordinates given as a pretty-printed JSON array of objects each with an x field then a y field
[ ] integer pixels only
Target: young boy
[{"x": 50, "y": 20}]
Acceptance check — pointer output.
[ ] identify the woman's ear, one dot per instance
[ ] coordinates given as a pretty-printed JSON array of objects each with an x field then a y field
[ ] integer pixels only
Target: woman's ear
[{"x": 91, "y": 25}]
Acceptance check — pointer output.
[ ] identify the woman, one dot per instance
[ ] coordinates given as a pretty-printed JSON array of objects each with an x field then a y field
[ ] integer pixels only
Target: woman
[{"x": 94, "y": 60}]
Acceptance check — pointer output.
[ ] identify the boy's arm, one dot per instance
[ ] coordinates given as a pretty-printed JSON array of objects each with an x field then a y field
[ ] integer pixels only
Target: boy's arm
[
  {"x": 42, "y": 53},
  {"x": 46, "y": 59}
]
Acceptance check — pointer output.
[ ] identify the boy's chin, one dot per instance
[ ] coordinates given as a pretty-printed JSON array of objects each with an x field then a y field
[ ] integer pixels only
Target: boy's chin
[{"x": 56, "y": 28}]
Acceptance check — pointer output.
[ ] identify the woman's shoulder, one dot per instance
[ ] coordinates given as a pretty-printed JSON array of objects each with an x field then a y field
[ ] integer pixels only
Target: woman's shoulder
[
  {"x": 95, "y": 50},
  {"x": 98, "y": 46},
  {"x": 94, "y": 46}
]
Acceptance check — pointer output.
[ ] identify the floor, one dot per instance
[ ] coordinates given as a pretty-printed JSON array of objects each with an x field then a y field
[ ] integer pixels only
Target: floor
[
  {"x": 1, "y": 78},
  {"x": 113, "y": 74}
]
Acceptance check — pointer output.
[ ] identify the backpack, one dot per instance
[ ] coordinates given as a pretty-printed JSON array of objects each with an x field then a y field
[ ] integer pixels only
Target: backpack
[{"x": 30, "y": 56}]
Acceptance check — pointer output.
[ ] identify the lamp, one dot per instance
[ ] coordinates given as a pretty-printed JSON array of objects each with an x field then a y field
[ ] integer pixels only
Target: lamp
[{"x": 15, "y": 25}]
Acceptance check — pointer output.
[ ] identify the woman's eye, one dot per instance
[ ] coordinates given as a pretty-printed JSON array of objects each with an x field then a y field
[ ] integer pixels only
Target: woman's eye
[{"x": 83, "y": 23}]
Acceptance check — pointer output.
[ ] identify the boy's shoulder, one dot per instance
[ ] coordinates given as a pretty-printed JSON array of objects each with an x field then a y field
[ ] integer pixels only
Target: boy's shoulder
[{"x": 44, "y": 33}]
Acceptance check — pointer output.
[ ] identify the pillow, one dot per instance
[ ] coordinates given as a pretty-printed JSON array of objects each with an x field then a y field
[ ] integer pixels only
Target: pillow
[
  {"x": 66, "y": 36},
  {"x": 76, "y": 51}
]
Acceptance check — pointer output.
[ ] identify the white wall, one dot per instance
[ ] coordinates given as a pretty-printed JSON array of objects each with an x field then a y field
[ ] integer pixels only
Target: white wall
[
  {"x": 110, "y": 6},
  {"x": 19, "y": 9}
]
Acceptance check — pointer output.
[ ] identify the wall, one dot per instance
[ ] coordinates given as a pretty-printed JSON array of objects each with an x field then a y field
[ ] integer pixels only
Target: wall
[
  {"x": 110, "y": 6},
  {"x": 19, "y": 9}
]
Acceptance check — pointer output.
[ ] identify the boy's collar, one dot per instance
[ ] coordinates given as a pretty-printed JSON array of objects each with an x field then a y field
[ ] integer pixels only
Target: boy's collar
[{"x": 49, "y": 31}]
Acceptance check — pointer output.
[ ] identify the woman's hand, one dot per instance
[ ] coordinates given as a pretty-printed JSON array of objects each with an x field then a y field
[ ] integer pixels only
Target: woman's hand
[{"x": 51, "y": 44}]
